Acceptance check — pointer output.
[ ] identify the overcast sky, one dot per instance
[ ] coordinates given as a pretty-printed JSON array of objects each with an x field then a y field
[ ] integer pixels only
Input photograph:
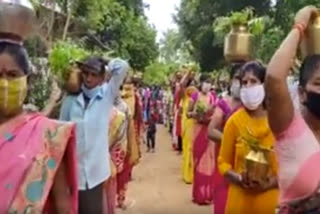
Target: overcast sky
[{"x": 160, "y": 14}]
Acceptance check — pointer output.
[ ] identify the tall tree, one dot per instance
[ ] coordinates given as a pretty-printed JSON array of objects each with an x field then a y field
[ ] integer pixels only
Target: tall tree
[
  {"x": 285, "y": 11},
  {"x": 129, "y": 35},
  {"x": 173, "y": 49},
  {"x": 136, "y": 5}
]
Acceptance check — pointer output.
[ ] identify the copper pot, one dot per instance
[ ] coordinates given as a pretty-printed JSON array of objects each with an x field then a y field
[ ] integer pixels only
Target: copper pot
[
  {"x": 257, "y": 165},
  {"x": 17, "y": 17},
  {"x": 311, "y": 44},
  {"x": 74, "y": 81},
  {"x": 238, "y": 44}
]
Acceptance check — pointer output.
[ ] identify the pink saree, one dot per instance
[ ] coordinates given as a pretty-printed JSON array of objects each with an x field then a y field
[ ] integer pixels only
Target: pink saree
[
  {"x": 204, "y": 159},
  {"x": 221, "y": 185},
  {"x": 298, "y": 155},
  {"x": 32, "y": 148}
]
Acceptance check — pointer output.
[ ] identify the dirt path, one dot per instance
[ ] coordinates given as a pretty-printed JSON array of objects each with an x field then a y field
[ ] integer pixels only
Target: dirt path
[{"x": 157, "y": 187}]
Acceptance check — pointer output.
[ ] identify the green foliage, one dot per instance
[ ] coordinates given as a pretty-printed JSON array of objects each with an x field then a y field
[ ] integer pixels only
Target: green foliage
[
  {"x": 159, "y": 73},
  {"x": 221, "y": 27},
  {"x": 285, "y": 10},
  {"x": 129, "y": 36},
  {"x": 173, "y": 49},
  {"x": 136, "y": 6},
  {"x": 241, "y": 17},
  {"x": 39, "y": 82},
  {"x": 91, "y": 12},
  {"x": 269, "y": 43},
  {"x": 62, "y": 55}
]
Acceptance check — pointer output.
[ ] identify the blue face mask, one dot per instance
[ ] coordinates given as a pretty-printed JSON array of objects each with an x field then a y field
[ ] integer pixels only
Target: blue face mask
[{"x": 90, "y": 93}]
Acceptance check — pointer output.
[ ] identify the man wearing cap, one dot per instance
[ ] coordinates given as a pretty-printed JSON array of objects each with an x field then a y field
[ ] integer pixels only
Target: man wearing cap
[{"x": 90, "y": 111}]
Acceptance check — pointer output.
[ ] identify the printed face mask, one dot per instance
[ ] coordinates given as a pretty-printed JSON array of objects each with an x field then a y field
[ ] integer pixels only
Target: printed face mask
[
  {"x": 12, "y": 95},
  {"x": 252, "y": 97}
]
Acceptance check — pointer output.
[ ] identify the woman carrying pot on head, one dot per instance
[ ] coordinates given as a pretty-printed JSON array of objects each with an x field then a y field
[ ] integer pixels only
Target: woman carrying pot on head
[
  {"x": 225, "y": 107},
  {"x": 118, "y": 139},
  {"x": 247, "y": 134},
  {"x": 200, "y": 109},
  {"x": 187, "y": 125},
  {"x": 39, "y": 173},
  {"x": 297, "y": 130},
  {"x": 182, "y": 78}
]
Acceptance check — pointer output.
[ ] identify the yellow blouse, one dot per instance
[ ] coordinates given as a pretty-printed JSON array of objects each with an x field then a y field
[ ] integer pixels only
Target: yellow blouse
[{"x": 239, "y": 128}]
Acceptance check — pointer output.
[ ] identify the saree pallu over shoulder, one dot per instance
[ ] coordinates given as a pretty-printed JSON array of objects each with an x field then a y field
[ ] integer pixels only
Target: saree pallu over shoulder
[
  {"x": 33, "y": 147},
  {"x": 298, "y": 153},
  {"x": 203, "y": 156},
  {"x": 118, "y": 138},
  {"x": 133, "y": 144},
  {"x": 117, "y": 146}
]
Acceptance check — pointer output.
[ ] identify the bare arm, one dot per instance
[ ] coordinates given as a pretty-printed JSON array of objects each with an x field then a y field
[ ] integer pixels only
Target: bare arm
[
  {"x": 214, "y": 130},
  {"x": 183, "y": 83},
  {"x": 280, "y": 106},
  {"x": 191, "y": 113}
]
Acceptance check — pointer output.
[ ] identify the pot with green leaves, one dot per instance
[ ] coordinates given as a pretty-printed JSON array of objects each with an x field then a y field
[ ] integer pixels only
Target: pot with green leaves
[
  {"x": 201, "y": 108},
  {"x": 257, "y": 164},
  {"x": 238, "y": 44},
  {"x": 310, "y": 45}
]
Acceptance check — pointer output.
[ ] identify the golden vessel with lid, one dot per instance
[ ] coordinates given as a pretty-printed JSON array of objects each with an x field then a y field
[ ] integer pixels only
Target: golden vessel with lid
[
  {"x": 310, "y": 45},
  {"x": 238, "y": 44}
]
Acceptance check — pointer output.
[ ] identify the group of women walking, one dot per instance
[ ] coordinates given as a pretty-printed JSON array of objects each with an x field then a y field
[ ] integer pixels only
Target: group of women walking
[
  {"x": 124, "y": 146},
  {"x": 226, "y": 138},
  {"x": 81, "y": 163}
]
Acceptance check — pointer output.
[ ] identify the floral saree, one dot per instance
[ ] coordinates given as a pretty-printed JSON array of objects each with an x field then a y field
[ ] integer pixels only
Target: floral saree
[
  {"x": 32, "y": 149},
  {"x": 118, "y": 143}
]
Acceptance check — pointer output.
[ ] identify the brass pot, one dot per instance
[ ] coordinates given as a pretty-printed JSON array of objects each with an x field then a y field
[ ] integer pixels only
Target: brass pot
[
  {"x": 17, "y": 17},
  {"x": 257, "y": 165},
  {"x": 74, "y": 81},
  {"x": 311, "y": 44},
  {"x": 238, "y": 44}
]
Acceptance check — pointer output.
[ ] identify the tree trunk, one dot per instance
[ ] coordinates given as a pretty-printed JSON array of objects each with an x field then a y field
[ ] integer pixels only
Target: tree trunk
[
  {"x": 66, "y": 26},
  {"x": 51, "y": 24}
]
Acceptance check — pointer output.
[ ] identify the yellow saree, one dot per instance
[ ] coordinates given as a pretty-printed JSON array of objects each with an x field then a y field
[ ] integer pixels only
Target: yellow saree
[{"x": 187, "y": 137}]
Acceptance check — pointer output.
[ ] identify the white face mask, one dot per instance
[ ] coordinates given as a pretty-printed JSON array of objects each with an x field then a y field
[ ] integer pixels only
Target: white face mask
[
  {"x": 252, "y": 97},
  {"x": 206, "y": 87},
  {"x": 235, "y": 89}
]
